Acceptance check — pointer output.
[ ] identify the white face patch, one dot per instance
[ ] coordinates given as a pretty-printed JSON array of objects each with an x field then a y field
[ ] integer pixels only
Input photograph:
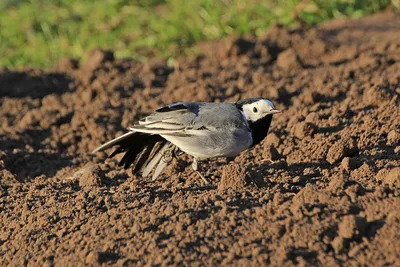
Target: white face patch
[{"x": 258, "y": 110}]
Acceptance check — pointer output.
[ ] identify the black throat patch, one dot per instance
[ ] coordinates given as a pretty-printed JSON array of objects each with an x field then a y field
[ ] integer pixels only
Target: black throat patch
[{"x": 259, "y": 129}]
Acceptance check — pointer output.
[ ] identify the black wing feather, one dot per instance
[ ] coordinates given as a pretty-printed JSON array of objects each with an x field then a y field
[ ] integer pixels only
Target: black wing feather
[
  {"x": 138, "y": 147},
  {"x": 143, "y": 157},
  {"x": 172, "y": 107}
]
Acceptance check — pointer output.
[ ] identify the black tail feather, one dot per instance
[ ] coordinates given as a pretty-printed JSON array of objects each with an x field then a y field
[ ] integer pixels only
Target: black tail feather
[
  {"x": 133, "y": 152},
  {"x": 116, "y": 152},
  {"x": 144, "y": 157},
  {"x": 130, "y": 157},
  {"x": 156, "y": 148},
  {"x": 141, "y": 159},
  {"x": 138, "y": 149}
]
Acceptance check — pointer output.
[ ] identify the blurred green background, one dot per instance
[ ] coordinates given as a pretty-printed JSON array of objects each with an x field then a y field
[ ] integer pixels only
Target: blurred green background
[{"x": 40, "y": 32}]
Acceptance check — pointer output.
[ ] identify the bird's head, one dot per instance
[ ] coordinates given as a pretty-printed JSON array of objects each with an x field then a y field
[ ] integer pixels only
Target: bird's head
[{"x": 255, "y": 109}]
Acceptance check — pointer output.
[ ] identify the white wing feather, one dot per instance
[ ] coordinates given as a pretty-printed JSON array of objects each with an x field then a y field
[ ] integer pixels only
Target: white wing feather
[
  {"x": 113, "y": 142},
  {"x": 156, "y": 159}
]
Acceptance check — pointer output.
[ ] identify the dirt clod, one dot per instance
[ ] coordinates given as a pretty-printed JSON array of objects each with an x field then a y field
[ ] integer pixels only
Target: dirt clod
[
  {"x": 389, "y": 176},
  {"x": 393, "y": 137},
  {"x": 234, "y": 176},
  {"x": 338, "y": 244},
  {"x": 90, "y": 175},
  {"x": 303, "y": 129},
  {"x": 312, "y": 117},
  {"x": 338, "y": 182},
  {"x": 348, "y": 163},
  {"x": 352, "y": 227},
  {"x": 377, "y": 95},
  {"x": 93, "y": 258},
  {"x": 288, "y": 60},
  {"x": 272, "y": 139},
  {"x": 346, "y": 147}
]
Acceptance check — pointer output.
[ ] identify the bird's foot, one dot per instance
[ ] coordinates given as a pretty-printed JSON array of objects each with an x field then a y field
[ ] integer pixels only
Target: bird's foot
[
  {"x": 203, "y": 178},
  {"x": 195, "y": 167},
  {"x": 168, "y": 155}
]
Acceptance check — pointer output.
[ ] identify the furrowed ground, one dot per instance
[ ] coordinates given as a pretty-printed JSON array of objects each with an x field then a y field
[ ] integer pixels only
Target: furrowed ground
[{"x": 322, "y": 189}]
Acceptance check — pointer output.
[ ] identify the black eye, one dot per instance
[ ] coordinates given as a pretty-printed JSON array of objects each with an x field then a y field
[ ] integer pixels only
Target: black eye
[{"x": 255, "y": 110}]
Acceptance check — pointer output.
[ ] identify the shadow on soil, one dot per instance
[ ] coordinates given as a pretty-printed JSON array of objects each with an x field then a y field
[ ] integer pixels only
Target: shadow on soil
[{"x": 22, "y": 84}]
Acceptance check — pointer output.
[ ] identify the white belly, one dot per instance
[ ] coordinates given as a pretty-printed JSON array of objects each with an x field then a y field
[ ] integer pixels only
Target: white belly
[{"x": 213, "y": 144}]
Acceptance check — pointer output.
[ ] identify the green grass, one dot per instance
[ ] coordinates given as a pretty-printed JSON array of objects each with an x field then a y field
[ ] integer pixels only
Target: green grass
[{"x": 40, "y": 32}]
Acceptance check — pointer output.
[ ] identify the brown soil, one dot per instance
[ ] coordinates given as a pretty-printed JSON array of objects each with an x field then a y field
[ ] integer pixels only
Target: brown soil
[{"x": 322, "y": 189}]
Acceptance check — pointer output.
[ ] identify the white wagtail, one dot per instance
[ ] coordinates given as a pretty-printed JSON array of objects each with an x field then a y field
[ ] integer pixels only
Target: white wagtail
[{"x": 201, "y": 129}]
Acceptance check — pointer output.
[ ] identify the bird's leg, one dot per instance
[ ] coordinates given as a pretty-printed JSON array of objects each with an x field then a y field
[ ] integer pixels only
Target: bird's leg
[
  {"x": 195, "y": 164},
  {"x": 195, "y": 167}
]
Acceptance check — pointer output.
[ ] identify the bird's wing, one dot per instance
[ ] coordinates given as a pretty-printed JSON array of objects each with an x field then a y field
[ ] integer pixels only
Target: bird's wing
[
  {"x": 191, "y": 119},
  {"x": 174, "y": 119}
]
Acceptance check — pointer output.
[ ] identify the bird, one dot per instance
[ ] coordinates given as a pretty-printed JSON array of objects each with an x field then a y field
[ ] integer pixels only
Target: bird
[{"x": 203, "y": 130}]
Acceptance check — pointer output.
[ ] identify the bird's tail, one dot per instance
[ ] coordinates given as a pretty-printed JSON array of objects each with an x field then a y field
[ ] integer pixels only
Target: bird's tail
[{"x": 143, "y": 151}]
